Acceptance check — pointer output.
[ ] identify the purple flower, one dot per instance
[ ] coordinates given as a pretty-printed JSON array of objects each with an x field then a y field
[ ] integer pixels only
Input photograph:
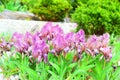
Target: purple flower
[
  {"x": 19, "y": 43},
  {"x": 107, "y": 53},
  {"x": 70, "y": 39},
  {"x": 56, "y": 30},
  {"x": 59, "y": 43},
  {"x": 80, "y": 36},
  {"x": 96, "y": 44},
  {"x": 105, "y": 40},
  {"x": 46, "y": 30},
  {"x": 28, "y": 38},
  {"x": 92, "y": 45},
  {"x": 5, "y": 45},
  {"x": 17, "y": 36},
  {"x": 36, "y": 37},
  {"x": 49, "y": 31},
  {"x": 93, "y": 42},
  {"x": 21, "y": 46},
  {"x": 79, "y": 41},
  {"x": 40, "y": 50}
]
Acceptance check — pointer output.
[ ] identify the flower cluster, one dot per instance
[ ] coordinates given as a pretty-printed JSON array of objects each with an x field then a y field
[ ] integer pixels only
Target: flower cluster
[
  {"x": 52, "y": 39},
  {"x": 99, "y": 44},
  {"x": 6, "y": 46}
]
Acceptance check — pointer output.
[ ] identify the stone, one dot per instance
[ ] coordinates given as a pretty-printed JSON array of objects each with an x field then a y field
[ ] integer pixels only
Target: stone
[
  {"x": 18, "y": 15},
  {"x": 11, "y": 26}
]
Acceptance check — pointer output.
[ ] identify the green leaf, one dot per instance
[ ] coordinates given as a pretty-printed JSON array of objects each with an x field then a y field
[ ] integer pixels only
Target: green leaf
[
  {"x": 78, "y": 71},
  {"x": 53, "y": 74}
]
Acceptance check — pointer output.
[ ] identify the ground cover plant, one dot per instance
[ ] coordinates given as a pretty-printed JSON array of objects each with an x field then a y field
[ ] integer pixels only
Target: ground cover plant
[{"x": 50, "y": 54}]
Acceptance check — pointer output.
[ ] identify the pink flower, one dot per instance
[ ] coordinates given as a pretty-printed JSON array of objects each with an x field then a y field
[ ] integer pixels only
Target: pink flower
[
  {"x": 49, "y": 31},
  {"x": 56, "y": 30},
  {"x": 93, "y": 42},
  {"x": 80, "y": 36},
  {"x": 5, "y": 45},
  {"x": 59, "y": 43},
  {"x": 92, "y": 45},
  {"x": 70, "y": 39},
  {"x": 40, "y": 50},
  {"x": 17, "y": 36},
  {"x": 21, "y": 46},
  {"x": 28, "y": 38},
  {"x": 46, "y": 30},
  {"x": 19, "y": 42},
  {"x": 105, "y": 40},
  {"x": 107, "y": 53}
]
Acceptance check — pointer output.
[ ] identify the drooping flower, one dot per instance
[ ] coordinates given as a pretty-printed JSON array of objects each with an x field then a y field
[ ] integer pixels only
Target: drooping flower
[
  {"x": 80, "y": 36},
  {"x": 59, "y": 43},
  {"x": 79, "y": 41},
  {"x": 19, "y": 43},
  {"x": 70, "y": 39},
  {"x": 36, "y": 37},
  {"x": 93, "y": 42},
  {"x": 40, "y": 50},
  {"x": 96, "y": 44},
  {"x": 28, "y": 38},
  {"x": 107, "y": 53},
  {"x": 49, "y": 31},
  {"x": 46, "y": 30},
  {"x": 5, "y": 45},
  {"x": 105, "y": 40},
  {"x": 21, "y": 46},
  {"x": 56, "y": 30},
  {"x": 17, "y": 36},
  {"x": 92, "y": 45}
]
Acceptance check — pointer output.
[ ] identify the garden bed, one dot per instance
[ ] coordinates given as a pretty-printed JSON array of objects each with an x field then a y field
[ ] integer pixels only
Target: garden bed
[{"x": 51, "y": 54}]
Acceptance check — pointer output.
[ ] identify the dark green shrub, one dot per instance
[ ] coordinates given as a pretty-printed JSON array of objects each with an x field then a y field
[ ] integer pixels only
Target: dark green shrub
[
  {"x": 98, "y": 16},
  {"x": 48, "y": 10}
]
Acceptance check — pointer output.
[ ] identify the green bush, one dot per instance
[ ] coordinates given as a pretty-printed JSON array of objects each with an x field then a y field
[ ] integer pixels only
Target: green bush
[
  {"x": 14, "y": 5},
  {"x": 48, "y": 10},
  {"x": 98, "y": 16}
]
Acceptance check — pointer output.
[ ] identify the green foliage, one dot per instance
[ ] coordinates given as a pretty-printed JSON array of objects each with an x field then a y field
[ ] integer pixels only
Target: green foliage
[
  {"x": 18, "y": 65},
  {"x": 98, "y": 16},
  {"x": 14, "y": 5},
  {"x": 1, "y": 8},
  {"x": 48, "y": 10},
  {"x": 63, "y": 68},
  {"x": 107, "y": 70}
]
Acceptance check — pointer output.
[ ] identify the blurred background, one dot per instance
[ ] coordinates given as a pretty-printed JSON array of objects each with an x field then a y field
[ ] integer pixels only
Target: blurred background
[{"x": 94, "y": 16}]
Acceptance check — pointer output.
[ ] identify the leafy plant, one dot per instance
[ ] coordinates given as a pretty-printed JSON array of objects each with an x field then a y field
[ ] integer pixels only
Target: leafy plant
[
  {"x": 48, "y": 10},
  {"x": 14, "y": 5},
  {"x": 98, "y": 16},
  {"x": 51, "y": 54}
]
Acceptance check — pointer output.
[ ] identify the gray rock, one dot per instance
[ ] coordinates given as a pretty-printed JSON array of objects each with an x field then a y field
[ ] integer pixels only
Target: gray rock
[
  {"x": 7, "y": 14},
  {"x": 10, "y": 26}
]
